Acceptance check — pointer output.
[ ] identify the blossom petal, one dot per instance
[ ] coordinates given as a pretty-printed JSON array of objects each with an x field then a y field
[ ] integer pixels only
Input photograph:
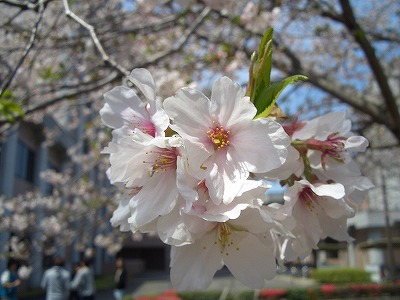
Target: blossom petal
[
  {"x": 157, "y": 197},
  {"x": 119, "y": 100},
  {"x": 161, "y": 122},
  {"x": 293, "y": 165},
  {"x": 172, "y": 230},
  {"x": 261, "y": 136},
  {"x": 228, "y": 104},
  {"x": 144, "y": 81},
  {"x": 225, "y": 177},
  {"x": 308, "y": 230},
  {"x": 251, "y": 220},
  {"x": 197, "y": 155},
  {"x": 336, "y": 208},
  {"x": 336, "y": 229},
  {"x": 321, "y": 127},
  {"x": 250, "y": 261},
  {"x": 121, "y": 214},
  {"x": 334, "y": 190},
  {"x": 356, "y": 143},
  {"x": 193, "y": 266},
  {"x": 190, "y": 107},
  {"x": 126, "y": 160}
]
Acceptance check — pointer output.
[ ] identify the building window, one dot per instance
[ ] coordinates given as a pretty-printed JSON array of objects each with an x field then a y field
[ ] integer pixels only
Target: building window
[{"x": 25, "y": 164}]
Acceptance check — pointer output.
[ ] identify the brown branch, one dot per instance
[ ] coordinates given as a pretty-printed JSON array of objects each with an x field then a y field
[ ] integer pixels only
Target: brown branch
[
  {"x": 180, "y": 43},
  {"x": 347, "y": 95},
  {"x": 85, "y": 88},
  {"x": 28, "y": 48},
  {"x": 162, "y": 24},
  {"x": 24, "y": 5},
  {"x": 377, "y": 36},
  {"x": 106, "y": 58},
  {"x": 79, "y": 90},
  {"x": 359, "y": 35}
]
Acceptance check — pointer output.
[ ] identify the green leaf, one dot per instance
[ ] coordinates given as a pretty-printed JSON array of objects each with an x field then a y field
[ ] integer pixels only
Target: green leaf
[
  {"x": 266, "y": 37},
  {"x": 10, "y": 110},
  {"x": 235, "y": 20},
  {"x": 250, "y": 86},
  {"x": 52, "y": 74},
  {"x": 263, "y": 65},
  {"x": 266, "y": 99}
]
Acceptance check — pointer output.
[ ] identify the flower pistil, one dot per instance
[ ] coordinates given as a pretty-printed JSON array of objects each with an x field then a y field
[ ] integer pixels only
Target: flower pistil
[
  {"x": 219, "y": 136},
  {"x": 164, "y": 159}
]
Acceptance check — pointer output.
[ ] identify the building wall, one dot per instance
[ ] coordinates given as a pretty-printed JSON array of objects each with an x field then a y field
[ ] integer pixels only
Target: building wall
[{"x": 26, "y": 139}]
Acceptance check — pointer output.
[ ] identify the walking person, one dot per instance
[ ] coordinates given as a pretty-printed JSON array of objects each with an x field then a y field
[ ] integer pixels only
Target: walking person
[
  {"x": 56, "y": 281},
  {"x": 73, "y": 293},
  {"x": 83, "y": 282},
  {"x": 120, "y": 279},
  {"x": 9, "y": 281}
]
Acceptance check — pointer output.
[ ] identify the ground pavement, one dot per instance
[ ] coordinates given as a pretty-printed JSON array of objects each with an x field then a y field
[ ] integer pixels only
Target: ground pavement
[{"x": 155, "y": 283}]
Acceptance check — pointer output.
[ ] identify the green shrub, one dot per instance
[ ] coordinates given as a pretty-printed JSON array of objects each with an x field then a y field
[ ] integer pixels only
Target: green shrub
[
  {"x": 245, "y": 295},
  {"x": 340, "y": 276},
  {"x": 302, "y": 294},
  {"x": 104, "y": 282},
  {"x": 203, "y": 295}
]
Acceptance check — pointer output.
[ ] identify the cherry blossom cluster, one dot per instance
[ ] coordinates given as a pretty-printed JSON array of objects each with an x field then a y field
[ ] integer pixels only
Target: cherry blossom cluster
[{"x": 195, "y": 171}]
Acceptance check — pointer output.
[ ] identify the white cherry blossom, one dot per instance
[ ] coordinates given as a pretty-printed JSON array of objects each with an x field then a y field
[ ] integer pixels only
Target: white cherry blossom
[
  {"x": 147, "y": 166},
  {"x": 319, "y": 211},
  {"x": 124, "y": 107},
  {"x": 223, "y": 141},
  {"x": 331, "y": 145},
  {"x": 191, "y": 168},
  {"x": 244, "y": 245}
]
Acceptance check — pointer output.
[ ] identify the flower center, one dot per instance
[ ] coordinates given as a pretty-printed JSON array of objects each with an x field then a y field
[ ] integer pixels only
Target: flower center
[
  {"x": 163, "y": 159},
  {"x": 201, "y": 186},
  {"x": 134, "y": 190},
  {"x": 144, "y": 125},
  {"x": 225, "y": 238},
  {"x": 219, "y": 136},
  {"x": 307, "y": 197},
  {"x": 333, "y": 146}
]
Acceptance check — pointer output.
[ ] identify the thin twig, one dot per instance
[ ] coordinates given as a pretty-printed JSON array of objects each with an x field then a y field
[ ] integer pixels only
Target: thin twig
[
  {"x": 106, "y": 58},
  {"x": 178, "y": 45},
  {"x": 84, "y": 88},
  {"x": 23, "y": 4},
  {"x": 159, "y": 25},
  {"x": 28, "y": 48}
]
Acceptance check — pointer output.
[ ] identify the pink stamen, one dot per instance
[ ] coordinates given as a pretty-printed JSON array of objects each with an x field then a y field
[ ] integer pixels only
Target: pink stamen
[{"x": 332, "y": 147}]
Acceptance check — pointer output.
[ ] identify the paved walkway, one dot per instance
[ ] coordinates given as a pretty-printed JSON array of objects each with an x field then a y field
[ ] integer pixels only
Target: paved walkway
[{"x": 155, "y": 283}]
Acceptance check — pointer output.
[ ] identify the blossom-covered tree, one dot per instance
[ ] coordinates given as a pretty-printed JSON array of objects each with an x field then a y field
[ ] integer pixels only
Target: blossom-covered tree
[
  {"x": 57, "y": 50},
  {"x": 56, "y": 54}
]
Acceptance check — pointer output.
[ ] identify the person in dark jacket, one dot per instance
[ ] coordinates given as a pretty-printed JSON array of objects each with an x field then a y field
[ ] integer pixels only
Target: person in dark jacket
[
  {"x": 9, "y": 281},
  {"x": 120, "y": 279}
]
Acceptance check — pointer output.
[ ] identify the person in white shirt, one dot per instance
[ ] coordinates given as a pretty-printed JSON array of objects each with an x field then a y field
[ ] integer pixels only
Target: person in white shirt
[
  {"x": 56, "y": 281},
  {"x": 83, "y": 282}
]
